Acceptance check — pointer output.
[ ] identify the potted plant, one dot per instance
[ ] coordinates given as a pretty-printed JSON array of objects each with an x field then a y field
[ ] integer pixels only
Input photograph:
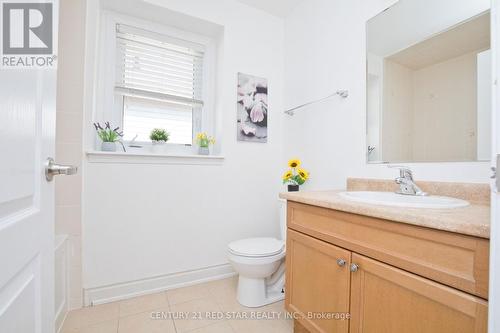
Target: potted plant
[
  {"x": 159, "y": 138},
  {"x": 295, "y": 176},
  {"x": 204, "y": 141},
  {"x": 108, "y": 136}
]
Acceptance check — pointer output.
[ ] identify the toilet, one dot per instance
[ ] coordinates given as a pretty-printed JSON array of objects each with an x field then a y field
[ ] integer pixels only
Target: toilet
[{"x": 260, "y": 263}]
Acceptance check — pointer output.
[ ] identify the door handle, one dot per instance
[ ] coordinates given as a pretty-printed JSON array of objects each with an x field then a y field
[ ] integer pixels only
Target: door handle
[
  {"x": 354, "y": 268},
  {"x": 52, "y": 169},
  {"x": 341, "y": 262}
]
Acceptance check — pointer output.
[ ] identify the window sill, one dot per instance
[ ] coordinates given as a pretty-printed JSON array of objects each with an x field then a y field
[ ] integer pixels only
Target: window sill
[{"x": 151, "y": 158}]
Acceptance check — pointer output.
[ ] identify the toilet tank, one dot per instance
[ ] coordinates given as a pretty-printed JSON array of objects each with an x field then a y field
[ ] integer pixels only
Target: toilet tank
[{"x": 282, "y": 207}]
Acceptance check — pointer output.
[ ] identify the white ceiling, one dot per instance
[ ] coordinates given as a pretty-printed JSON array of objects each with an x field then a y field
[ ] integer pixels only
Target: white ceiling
[
  {"x": 280, "y": 8},
  {"x": 473, "y": 35},
  {"x": 409, "y": 22}
]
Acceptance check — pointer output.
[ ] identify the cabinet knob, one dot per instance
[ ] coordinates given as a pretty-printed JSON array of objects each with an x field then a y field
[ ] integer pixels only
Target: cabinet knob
[
  {"x": 341, "y": 262},
  {"x": 354, "y": 268}
]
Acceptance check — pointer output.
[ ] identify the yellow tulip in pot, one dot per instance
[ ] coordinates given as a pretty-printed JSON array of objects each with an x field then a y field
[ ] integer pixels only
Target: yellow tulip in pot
[
  {"x": 295, "y": 176},
  {"x": 204, "y": 141}
]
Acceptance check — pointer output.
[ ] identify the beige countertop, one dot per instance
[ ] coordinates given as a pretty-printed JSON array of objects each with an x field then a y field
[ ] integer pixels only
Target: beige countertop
[{"x": 473, "y": 220}]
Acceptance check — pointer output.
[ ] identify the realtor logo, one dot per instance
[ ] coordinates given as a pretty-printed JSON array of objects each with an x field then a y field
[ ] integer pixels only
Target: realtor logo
[{"x": 27, "y": 34}]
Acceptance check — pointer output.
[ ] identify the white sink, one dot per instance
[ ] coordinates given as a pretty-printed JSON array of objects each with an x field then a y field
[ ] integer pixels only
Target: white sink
[{"x": 400, "y": 200}]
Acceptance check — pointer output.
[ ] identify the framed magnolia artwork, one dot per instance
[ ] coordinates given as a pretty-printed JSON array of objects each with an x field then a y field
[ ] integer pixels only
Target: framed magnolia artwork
[{"x": 252, "y": 108}]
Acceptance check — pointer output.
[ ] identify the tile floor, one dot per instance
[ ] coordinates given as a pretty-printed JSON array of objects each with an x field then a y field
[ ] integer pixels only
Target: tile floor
[{"x": 150, "y": 313}]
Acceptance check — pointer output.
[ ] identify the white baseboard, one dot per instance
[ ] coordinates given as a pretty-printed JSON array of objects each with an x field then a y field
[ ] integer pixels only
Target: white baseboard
[
  {"x": 60, "y": 316},
  {"x": 120, "y": 291}
]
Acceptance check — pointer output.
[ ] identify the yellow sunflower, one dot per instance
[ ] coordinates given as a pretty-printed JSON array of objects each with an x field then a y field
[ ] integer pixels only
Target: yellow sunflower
[
  {"x": 294, "y": 163},
  {"x": 287, "y": 175},
  {"x": 303, "y": 174}
]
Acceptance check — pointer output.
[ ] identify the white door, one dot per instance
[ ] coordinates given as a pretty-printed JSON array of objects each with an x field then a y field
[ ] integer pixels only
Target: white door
[
  {"x": 27, "y": 138},
  {"x": 494, "y": 297},
  {"x": 27, "y": 131}
]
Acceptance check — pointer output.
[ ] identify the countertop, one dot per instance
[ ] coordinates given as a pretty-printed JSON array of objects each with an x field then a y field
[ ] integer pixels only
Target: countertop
[{"x": 473, "y": 220}]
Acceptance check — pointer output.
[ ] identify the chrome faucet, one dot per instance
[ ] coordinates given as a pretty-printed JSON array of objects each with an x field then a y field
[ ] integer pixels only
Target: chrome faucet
[{"x": 405, "y": 181}]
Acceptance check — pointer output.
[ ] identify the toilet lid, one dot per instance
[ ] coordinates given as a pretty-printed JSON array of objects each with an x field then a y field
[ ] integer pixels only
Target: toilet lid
[{"x": 257, "y": 247}]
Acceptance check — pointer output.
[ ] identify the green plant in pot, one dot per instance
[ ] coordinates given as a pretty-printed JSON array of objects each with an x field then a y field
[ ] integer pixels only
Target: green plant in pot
[
  {"x": 159, "y": 137},
  {"x": 109, "y": 136},
  {"x": 204, "y": 141}
]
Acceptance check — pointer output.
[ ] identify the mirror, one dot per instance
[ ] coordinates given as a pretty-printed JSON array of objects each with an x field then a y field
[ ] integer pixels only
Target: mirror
[{"x": 429, "y": 82}]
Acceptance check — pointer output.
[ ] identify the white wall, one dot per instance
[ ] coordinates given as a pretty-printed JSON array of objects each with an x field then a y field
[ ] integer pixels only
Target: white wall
[
  {"x": 69, "y": 138},
  {"x": 445, "y": 110},
  {"x": 484, "y": 74},
  {"x": 147, "y": 220},
  {"x": 397, "y": 113},
  {"x": 325, "y": 50},
  {"x": 430, "y": 113},
  {"x": 374, "y": 92}
]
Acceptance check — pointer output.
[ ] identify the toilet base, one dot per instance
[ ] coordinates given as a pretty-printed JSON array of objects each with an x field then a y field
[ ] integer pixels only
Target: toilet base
[{"x": 257, "y": 292}]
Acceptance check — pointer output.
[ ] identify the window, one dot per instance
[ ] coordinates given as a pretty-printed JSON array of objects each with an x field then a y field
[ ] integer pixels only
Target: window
[{"x": 159, "y": 81}]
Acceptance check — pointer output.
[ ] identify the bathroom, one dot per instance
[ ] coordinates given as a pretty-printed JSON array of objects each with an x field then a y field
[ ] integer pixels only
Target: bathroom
[{"x": 176, "y": 224}]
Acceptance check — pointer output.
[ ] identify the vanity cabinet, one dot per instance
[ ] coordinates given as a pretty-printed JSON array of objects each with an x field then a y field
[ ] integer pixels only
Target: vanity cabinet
[
  {"x": 386, "y": 299},
  {"x": 317, "y": 270},
  {"x": 389, "y": 277}
]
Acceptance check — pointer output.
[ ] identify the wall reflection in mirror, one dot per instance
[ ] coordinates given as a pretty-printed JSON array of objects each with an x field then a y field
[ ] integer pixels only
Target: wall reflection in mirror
[{"x": 429, "y": 83}]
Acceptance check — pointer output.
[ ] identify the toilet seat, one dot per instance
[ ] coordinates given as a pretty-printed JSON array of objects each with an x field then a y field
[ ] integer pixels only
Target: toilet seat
[{"x": 256, "y": 247}]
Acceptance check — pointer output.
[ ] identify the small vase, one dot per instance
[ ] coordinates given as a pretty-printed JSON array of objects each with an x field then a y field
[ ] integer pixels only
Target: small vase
[
  {"x": 158, "y": 146},
  {"x": 293, "y": 188},
  {"x": 203, "y": 151},
  {"x": 108, "y": 146}
]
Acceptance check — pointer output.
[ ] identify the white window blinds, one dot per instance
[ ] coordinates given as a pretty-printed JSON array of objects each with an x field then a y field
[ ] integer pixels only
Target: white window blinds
[
  {"x": 158, "y": 67},
  {"x": 140, "y": 116}
]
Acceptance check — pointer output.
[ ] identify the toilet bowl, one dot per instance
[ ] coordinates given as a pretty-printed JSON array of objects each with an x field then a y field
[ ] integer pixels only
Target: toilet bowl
[{"x": 260, "y": 263}]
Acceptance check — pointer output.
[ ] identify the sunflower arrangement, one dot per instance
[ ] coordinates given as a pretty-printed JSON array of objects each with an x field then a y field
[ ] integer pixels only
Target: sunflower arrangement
[{"x": 295, "y": 175}]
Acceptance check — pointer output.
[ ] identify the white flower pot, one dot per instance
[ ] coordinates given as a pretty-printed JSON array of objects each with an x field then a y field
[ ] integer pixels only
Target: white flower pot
[
  {"x": 158, "y": 146},
  {"x": 108, "y": 146},
  {"x": 203, "y": 151}
]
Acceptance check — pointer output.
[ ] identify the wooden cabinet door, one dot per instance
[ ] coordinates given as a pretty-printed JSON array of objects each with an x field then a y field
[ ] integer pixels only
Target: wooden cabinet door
[
  {"x": 316, "y": 284},
  {"x": 385, "y": 299}
]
